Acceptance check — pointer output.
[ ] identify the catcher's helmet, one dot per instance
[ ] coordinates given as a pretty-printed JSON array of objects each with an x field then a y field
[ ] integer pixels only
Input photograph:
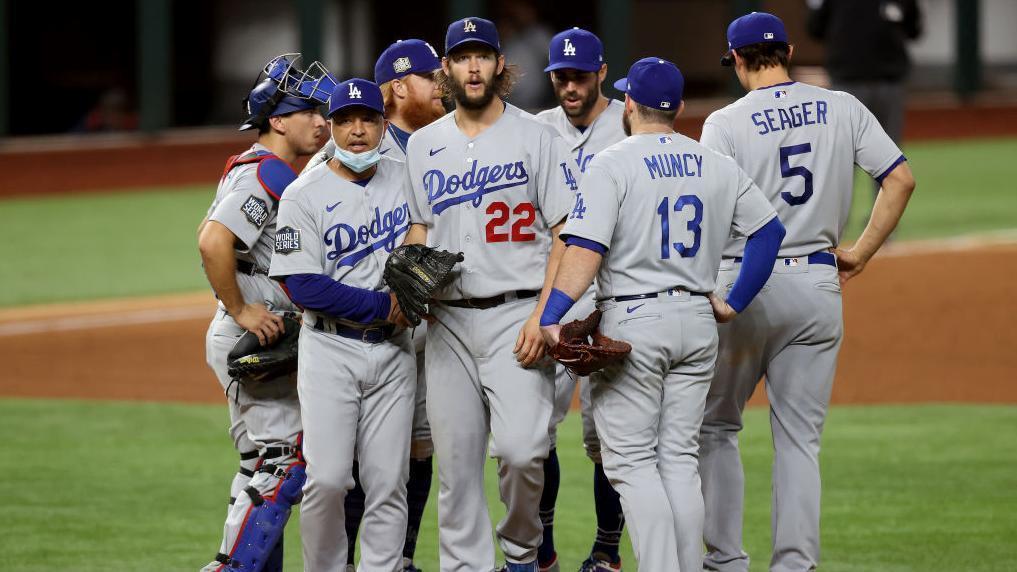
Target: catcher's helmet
[{"x": 281, "y": 88}]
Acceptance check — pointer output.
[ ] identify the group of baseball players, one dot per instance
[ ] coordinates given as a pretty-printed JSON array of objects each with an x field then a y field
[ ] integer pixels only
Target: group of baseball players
[{"x": 717, "y": 260}]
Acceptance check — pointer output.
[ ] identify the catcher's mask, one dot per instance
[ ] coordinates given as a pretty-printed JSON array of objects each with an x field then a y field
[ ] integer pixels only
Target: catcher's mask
[{"x": 282, "y": 88}]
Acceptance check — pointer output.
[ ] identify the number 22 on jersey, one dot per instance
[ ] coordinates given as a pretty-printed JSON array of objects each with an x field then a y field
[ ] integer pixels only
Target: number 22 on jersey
[
  {"x": 680, "y": 204},
  {"x": 501, "y": 213}
]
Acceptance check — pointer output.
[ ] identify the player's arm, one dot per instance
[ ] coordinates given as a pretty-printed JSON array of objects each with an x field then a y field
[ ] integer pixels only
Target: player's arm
[
  {"x": 579, "y": 264},
  {"x": 886, "y": 212},
  {"x": 530, "y": 343},
  {"x": 216, "y": 244},
  {"x": 761, "y": 248},
  {"x": 329, "y": 296},
  {"x": 416, "y": 235}
]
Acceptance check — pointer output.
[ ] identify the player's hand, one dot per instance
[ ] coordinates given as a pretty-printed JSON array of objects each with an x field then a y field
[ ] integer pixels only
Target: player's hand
[
  {"x": 722, "y": 311},
  {"x": 256, "y": 319},
  {"x": 551, "y": 334},
  {"x": 530, "y": 343},
  {"x": 395, "y": 313},
  {"x": 849, "y": 264}
]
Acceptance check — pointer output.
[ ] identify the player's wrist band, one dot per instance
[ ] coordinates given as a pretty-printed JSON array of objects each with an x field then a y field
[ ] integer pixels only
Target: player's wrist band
[{"x": 558, "y": 304}]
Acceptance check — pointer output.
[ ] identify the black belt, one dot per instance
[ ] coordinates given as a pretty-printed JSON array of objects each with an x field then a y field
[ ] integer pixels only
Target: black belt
[
  {"x": 250, "y": 268},
  {"x": 655, "y": 294},
  {"x": 485, "y": 303},
  {"x": 370, "y": 335},
  {"x": 815, "y": 258}
]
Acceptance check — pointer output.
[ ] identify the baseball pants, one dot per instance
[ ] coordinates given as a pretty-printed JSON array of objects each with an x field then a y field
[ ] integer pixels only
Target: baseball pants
[
  {"x": 791, "y": 333},
  {"x": 356, "y": 400},
  {"x": 477, "y": 389},
  {"x": 648, "y": 412}
]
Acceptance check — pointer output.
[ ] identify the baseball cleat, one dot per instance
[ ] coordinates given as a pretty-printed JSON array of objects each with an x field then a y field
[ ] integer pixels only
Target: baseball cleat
[
  {"x": 519, "y": 567},
  {"x": 599, "y": 562},
  {"x": 351, "y": 568},
  {"x": 553, "y": 566},
  {"x": 408, "y": 566}
]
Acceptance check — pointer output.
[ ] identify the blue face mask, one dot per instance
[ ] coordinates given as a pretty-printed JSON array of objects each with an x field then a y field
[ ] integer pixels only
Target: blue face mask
[{"x": 358, "y": 162}]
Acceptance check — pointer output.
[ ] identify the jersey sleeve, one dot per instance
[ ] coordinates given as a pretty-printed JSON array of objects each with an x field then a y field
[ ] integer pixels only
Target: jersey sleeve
[
  {"x": 875, "y": 152},
  {"x": 752, "y": 209},
  {"x": 553, "y": 191},
  {"x": 716, "y": 137},
  {"x": 416, "y": 195},
  {"x": 597, "y": 204},
  {"x": 246, "y": 209},
  {"x": 297, "y": 248}
]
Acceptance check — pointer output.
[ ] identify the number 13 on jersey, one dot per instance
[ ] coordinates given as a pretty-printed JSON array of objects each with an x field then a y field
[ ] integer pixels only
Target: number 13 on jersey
[{"x": 680, "y": 204}]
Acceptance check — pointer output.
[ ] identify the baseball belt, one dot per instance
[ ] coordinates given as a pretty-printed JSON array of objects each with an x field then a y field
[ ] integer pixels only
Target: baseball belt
[{"x": 485, "y": 303}]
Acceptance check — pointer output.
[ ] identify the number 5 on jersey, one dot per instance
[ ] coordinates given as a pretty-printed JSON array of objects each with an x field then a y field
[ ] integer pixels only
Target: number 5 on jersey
[{"x": 693, "y": 226}]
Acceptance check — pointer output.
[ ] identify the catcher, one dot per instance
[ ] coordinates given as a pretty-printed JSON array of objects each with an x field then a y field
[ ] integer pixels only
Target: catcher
[{"x": 236, "y": 240}]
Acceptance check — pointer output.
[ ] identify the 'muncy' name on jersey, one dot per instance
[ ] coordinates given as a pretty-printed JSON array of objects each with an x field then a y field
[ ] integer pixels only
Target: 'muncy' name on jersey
[{"x": 664, "y": 206}]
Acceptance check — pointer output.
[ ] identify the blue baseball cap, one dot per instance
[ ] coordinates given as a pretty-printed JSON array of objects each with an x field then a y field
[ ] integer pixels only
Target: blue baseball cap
[
  {"x": 655, "y": 83},
  {"x": 353, "y": 92},
  {"x": 472, "y": 30},
  {"x": 575, "y": 49},
  {"x": 403, "y": 58},
  {"x": 754, "y": 28}
]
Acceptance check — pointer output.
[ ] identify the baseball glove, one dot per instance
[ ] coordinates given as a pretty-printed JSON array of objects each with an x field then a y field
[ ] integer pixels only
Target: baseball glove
[
  {"x": 266, "y": 371},
  {"x": 575, "y": 351},
  {"x": 414, "y": 272}
]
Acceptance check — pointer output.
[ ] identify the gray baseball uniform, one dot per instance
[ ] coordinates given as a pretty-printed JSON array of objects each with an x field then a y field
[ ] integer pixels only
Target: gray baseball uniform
[
  {"x": 800, "y": 144},
  {"x": 495, "y": 198},
  {"x": 664, "y": 206},
  {"x": 606, "y": 130},
  {"x": 393, "y": 148},
  {"x": 356, "y": 396},
  {"x": 258, "y": 423}
]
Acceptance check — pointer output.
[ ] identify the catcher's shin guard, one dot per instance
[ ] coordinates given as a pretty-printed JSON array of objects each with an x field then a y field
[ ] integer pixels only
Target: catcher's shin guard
[{"x": 259, "y": 516}]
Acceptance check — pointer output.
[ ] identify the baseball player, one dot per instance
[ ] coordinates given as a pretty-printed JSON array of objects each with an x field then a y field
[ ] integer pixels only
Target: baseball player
[
  {"x": 800, "y": 143},
  {"x": 405, "y": 74},
  {"x": 589, "y": 123},
  {"x": 486, "y": 180},
  {"x": 652, "y": 214},
  {"x": 355, "y": 369},
  {"x": 235, "y": 240}
]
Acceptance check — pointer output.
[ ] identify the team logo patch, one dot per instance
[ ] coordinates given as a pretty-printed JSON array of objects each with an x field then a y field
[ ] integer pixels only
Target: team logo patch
[
  {"x": 256, "y": 211},
  {"x": 665, "y": 104},
  {"x": 354, "y": 92},
  {"x": 469, "y": 27},
  {"x": 569, "y": 50},
  {"x": 402, "y": 65},
  {"x": 287, "y": 240},
  {"x": 780, "y": 93},
  {"x": 768, "y": 36}
]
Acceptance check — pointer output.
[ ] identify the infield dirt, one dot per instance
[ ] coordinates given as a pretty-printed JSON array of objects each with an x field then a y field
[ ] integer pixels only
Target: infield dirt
[{"x": 925, "y": 326}]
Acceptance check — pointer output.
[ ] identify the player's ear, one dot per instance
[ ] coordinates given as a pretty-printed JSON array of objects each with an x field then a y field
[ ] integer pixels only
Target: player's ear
[
  {"x": 602, "y": 74},
  {"x": 681, "y": 108},
  {"x": 790, "y": 51},
  {"x": 399, "y": 88},
  {"x": 501, "y": 64},
  {"x": 444, "y": 65},
  {"x": 278, "y": 124}
]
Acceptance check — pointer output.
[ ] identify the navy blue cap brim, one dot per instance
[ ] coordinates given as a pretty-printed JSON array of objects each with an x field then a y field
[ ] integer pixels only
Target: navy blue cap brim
[
  {"x": 332, "y": 112},
  {"x": 573, "y": 66},
  {"x": 285, "y": 107},
  {"x": 622, "y": 84},
  {"x": 448, "y": 49}
]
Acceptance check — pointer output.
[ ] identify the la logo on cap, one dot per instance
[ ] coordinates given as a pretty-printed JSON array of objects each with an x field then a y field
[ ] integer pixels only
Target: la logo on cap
[
  {"x": 402, "y": 64},
  {"x": 569, "y": 50},
  {"x": 469, "y": 26},
  {"x": 354, "y": 92}
]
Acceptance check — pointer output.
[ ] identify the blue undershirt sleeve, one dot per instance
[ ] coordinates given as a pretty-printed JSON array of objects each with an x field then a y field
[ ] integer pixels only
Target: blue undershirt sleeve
[
  {"x": 587, "y": 244},
  {"x": 322, "y": 294},
  {"x": 757, "y": 263}
]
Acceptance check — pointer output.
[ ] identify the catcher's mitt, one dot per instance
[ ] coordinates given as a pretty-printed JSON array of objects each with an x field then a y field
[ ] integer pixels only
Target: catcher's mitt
[
  {"x": 266, "y": 371},
  {"x": 414, "y": 272},
  {"x": 581, "y": 357}
]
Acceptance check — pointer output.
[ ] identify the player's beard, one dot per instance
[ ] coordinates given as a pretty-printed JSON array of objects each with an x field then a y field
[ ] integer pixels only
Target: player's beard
[
  {"x": 419, "y": 113},
  {"x": 585, "y": 106},
  {"x": 626, "y": 125},
  {"x": 463, "y": 99}
]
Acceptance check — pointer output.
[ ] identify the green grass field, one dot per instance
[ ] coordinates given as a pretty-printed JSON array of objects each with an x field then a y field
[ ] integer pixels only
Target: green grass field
[
  {"x": 142, "y": 486},
  {"x": 81, "y": 247}
]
